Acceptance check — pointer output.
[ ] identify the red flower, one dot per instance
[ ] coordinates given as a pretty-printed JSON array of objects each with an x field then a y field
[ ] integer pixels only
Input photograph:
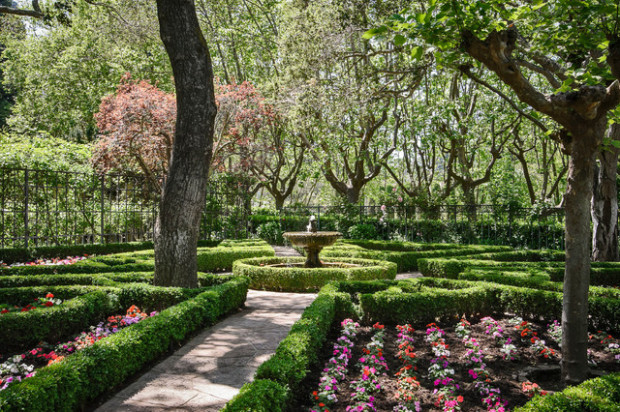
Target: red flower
[
  {"x": 459, "y": 398},
  {"x": 49, "y": 295},
  {"x": 49, "y": 303}
]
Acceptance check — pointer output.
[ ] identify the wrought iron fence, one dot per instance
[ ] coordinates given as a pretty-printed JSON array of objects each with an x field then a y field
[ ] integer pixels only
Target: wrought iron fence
[
  {"x": 43, "y": 207},
  {"x": 486, "y": 224}
]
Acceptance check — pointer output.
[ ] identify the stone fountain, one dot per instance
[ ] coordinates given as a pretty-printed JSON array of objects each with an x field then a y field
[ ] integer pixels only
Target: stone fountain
[{"x": 312, "y": 241}]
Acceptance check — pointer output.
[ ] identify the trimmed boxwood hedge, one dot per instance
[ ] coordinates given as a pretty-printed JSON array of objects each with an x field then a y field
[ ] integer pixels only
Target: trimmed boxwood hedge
[
  {"x": 601, "y": 273},
  {"x": 23, "y": 330},
  {"x": 599, "y": 394},
  {"x": 297, "y": 279},
  {"x": 70, "y": 384},
  {"x": 83, "y": 306},
  {"x": 209, "y": 259},
  {"x": 414, "y": 301},
  {"x": 405, "y": 254},
  {"x": 222, "y": 258},
  {"x": 97, "y": 279},
  {"x": 428, "y": 299},
  {"x": 14, "y": 255}
]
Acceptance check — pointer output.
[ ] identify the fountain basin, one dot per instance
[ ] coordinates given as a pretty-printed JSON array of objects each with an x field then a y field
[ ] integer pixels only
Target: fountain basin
[{"x": 312, "y": 243}]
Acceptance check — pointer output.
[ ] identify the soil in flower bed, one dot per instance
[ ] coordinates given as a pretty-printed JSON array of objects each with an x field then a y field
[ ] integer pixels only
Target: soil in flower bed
[{"x": 507, "y": 376}]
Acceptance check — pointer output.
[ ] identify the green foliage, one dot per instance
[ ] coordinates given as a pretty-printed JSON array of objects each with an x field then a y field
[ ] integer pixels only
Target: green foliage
[
  {"x": 43, "y": 152},
  {"x": 599, "y": 394},
  {"x": 24, "y": 330},
  {"x": 222, "y": 258},
  {"x": 210, "y": 259},
  {"x": 362, "y": 231},
  {"x": 260, "y": 395},
  {"x": 9, "y": 256},
  {"x": 299, "y": 279},
  {"x": 91, "y": 372},
  {"x": 271, "y": 232},
  {"x": 532, "y": 266},
  {"x": 60, "y": 77},
  {"x": 532, "y": 233},
  {"x": 405, "y": 255}
]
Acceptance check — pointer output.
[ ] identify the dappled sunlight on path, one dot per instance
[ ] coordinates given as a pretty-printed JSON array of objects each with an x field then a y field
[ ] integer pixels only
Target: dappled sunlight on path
[{"x": 211, "y": 368}]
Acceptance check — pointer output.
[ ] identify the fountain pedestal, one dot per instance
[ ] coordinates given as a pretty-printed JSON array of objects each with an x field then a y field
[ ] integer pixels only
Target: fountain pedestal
[{"x": 313, "y": 243}]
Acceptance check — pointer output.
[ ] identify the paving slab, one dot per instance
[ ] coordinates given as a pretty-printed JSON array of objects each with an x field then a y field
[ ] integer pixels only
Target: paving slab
[{"x": 408, "y": 275}]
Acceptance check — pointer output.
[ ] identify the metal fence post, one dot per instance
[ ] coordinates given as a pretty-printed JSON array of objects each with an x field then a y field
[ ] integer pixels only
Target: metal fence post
[
  {"x": 102, "y": 204},
  {"x": 26, "y": 200}
]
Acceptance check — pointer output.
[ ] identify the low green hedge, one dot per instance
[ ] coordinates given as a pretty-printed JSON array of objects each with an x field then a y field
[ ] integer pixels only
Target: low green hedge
[
  {"x": 261, "y": 395},
  {"x": 531, "y": 279},
  {"x": 97, "y": 279},
  {"x": 298, "y": 279},
  {"x": 406, "y": 260},
  {"x": 428, "y": 299},
  {"x": 599, "y": 394},
  {"x": 14, "y": 255},
  {"x": 10, "y": 256},
  {"x": 72, "y": 383},
  {"x": 82, "y": 307},
  {"x": 84, "y": 266},
  {"x": 452, "y": 267},
  {"x": 209, "y": 259},
  {"x": 222, "y": 258},
  {"x": 601, "y": 274},
  {"x": 24, "y": 330}
]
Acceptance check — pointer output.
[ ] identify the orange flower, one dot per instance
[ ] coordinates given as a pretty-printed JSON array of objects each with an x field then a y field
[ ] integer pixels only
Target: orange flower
[{"x": 459, "y": 398}]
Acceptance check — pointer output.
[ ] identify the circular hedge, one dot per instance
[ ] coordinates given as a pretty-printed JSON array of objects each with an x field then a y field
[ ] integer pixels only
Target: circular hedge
[{"x": 299, "y": 279}]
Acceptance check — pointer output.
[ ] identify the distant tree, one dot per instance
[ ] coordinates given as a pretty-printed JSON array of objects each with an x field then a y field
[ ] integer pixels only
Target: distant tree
[
  {"x": 136, "y": 130},
  {"x": 242, "y": 114}
]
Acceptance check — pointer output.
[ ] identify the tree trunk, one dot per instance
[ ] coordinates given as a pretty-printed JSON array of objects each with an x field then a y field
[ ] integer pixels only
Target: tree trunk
[
  {"x": 279, "y": 200},
  {"x": 470, "y": 202},
  {"x": 577, "y": 272},
  {"x": 353, "y": 194},
  {"x": 605, "y": 203},
  {"x": 184, "y": 192}
]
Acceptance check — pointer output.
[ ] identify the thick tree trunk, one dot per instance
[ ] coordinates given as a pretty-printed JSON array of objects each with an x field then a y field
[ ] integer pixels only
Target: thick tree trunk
[
  {"x": 605, "y": 203},
  {"x": 279, "y": 200},
  {"x": 183, "y": 196},
  {"x": 577, "y": 273},
  {"x": 470, "y": 202},
  {"x": 353, "y": 194}
]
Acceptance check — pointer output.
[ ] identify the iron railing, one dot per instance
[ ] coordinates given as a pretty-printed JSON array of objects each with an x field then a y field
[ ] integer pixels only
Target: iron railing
[
  {"x": 486, "y": 224},
  {"x": 44, "y": 207}
]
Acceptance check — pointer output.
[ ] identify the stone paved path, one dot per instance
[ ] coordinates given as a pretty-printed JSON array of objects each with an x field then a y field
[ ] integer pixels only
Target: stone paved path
[{"x": 211, "y": 368}]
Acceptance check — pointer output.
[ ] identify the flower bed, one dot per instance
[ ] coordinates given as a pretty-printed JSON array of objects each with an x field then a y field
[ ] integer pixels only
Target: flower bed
[
  {"x": 482, "y": 365},
  {"x": 74, "y": 382},
  {"x": 69, "y": 260},
  {"x": 47, "y": 302},
  {"x": 17, "y": 367}
]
